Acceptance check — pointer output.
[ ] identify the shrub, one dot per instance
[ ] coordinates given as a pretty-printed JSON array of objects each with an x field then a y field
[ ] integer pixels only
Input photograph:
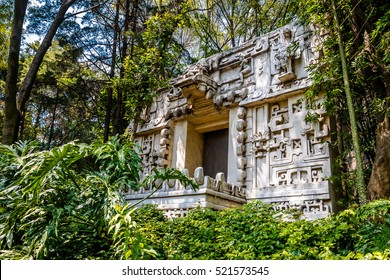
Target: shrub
[
  {"x": 68, "y": 202},
  {"x": 258, "y": 232}
]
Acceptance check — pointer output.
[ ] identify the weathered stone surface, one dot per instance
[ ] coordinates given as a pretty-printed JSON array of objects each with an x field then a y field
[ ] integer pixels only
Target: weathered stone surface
[
  {"x": 256, "y": 91},
  {"x": 177, "y": 199},
  {"x": 199, "y": 175},
  {"x": 379, "y": 185}
]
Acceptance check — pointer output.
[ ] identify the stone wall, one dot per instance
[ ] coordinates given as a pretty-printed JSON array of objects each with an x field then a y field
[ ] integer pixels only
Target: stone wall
[{"x": 256, "y": 91}]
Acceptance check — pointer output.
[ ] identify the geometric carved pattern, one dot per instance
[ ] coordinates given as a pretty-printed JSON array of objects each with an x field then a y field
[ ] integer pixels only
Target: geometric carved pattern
[
  {"x": 287, "y": 144},
  {"x": 175, "y": 213},
  {"x": 292, "y": 155},
  {"x": 312, "y": 209},
  {"x": 295, "y": 176}
]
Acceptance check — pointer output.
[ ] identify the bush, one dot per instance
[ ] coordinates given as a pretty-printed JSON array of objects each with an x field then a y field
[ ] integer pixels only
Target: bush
[
  {"x": 258, "y": 232},
  {"x": 68, "y": 202}
]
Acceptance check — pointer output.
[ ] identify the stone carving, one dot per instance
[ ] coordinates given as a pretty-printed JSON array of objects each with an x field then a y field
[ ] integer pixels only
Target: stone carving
[
  {"x": 246, "y": 68},
  {"x": 200, "y": 68},
  {"x": 295, "y": 176},
  {"x": 285, "y": 205},
  {"x": 197, "y": 74},
  {"x": 175, "y": 93},
  {"x": 292, "y": 154},
  {"x": 316, "y": 133},
  {"x": 148, "y": 154},
  {"x": 260, "y": 143},
  {"x": 177, "y": 112},
  {"x": 286, "y": 49},
  {"x": 274, "y": 154},
  {"x": 261, "y": 45},
  {"x": 199, "y": 176},
  {"x": 240, "y": 148},
  {"x": 316, "y": 49},
  {"x": 312, "y": 209},
  {"x": 176, "y": 213},
  {"x": 165, "y": 143},
  {"x": 235, "y": 84},
  {"x": 232, "y": 77},
  {"x": 316, "y": 209}
]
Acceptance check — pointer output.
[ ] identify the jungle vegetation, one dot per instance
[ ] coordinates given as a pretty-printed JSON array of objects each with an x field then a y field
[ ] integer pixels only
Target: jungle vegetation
[{"x": 74, "y": 74}]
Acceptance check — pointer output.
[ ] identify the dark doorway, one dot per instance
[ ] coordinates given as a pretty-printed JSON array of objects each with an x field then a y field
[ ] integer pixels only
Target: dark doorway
[{"x": 215, "y": 152}]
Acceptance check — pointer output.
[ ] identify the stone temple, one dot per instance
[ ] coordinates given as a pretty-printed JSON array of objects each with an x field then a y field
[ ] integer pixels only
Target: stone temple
[{"x": 235, "y": 122}]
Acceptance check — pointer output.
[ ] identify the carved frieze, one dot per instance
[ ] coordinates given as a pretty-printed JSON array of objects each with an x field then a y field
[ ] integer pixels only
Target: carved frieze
[
  {"x": 262, "y": 68},
  {"x": 176, "y": 213},
  {"x": 316, "y": 207},
  {"x": 290, "y": 152},
  {"x": 295, "y": 176},
  {"x": 311, "y": 209}
]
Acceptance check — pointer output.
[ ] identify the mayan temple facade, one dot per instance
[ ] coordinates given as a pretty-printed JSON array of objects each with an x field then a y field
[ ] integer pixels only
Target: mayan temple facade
[{"x": 235, "y": 122}]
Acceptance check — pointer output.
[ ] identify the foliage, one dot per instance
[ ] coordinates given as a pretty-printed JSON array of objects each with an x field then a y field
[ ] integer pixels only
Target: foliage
[
  {"x": 5, "y": 23},
  {"x": 216, "y": 26},
  {"x": 68, "y": 202},
  {"x": 365, "y": 36},
  {"x": 258, "y": 232},
  {"x": 63, "y": 104},
  {"x": 156, "y": 59}
]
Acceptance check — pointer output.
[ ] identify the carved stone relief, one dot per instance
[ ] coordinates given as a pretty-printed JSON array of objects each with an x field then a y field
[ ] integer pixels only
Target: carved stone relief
[
  {"x": 198, "y": 75},
  {"x": 293, "y": 154},
  {"x": 148, "y": 153},
  {"x": 176, "y": 213},
  {"x": 285, "y": 48},
  {"x": 311, "y": 209},
  {"x": 316, "y": 209},
  {"x": 280, "y": 157}
]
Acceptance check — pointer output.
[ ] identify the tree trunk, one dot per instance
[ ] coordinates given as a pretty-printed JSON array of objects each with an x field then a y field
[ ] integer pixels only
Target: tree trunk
[
  {"x": 134, "y": 16},
  {"x": 379, "y": 185},
  {"x": 28, "y": 81},
  {"x": 38, "y": 119},
  {"x": 53, "y": 119},
  {"x": 361, "y": 188},
  {"x": 22, "y": 121},
  {"x": 131, "y": 12},
  {"x": 362, "y": 27},
  {"x": 11, "y": 114},
  {"x": 109, "y": 102},
  {"x": 119, "y": 121}
]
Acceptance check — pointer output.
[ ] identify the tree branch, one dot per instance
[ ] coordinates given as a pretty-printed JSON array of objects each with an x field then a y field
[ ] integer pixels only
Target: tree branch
[
  {"x": 28, "y": 81},
  {"x": 87, "y": 10}
]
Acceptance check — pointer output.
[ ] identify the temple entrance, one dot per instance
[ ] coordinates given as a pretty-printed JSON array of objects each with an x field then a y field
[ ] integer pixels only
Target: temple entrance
[{"x": 215, "y": 152}]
